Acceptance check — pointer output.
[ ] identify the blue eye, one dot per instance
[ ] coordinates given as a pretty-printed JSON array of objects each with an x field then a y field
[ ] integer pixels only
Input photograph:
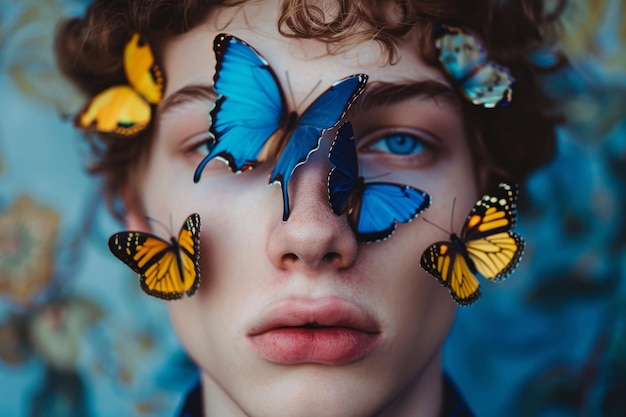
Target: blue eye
[{"x": 399, "y": 144}]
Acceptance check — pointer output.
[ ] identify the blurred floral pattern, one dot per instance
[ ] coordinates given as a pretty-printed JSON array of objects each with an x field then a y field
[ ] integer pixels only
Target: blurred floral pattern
[
  {"x": 27, "y": 240},
  {"x": 77, "y": 338},
  {"x": 70, "y": 344}
]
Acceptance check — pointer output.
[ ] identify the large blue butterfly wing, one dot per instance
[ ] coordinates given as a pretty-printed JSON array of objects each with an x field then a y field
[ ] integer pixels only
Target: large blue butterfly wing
[
  {"x": 383, "y": 205},
  {"x": 345, "y": 171},
  {"x": 323, "y": 114},
  {"x": 341, "y": 187},
  {"x": 250, "y": 107}
]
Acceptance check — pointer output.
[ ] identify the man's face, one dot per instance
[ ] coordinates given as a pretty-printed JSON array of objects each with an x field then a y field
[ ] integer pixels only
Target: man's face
[{"x": 297, "y": 317}]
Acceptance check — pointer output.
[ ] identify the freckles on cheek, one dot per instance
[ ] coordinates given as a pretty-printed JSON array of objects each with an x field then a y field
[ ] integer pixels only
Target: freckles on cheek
[
  {"x": 216, "y": 204},
  {"x": 165, "y": 191}
]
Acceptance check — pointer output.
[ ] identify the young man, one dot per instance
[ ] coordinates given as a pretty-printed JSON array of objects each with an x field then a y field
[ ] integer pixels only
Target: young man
[{"x": 297, "y": 316}]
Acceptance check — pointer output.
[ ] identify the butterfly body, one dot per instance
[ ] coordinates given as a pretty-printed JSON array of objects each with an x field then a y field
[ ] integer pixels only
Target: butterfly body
[
  {"x": 250, "y": 120},
  {"x": 480, "y": 80},
  {"x": 459, "y": 246},
  {"x": 373, "y": 208},
  {"x": 485, "y": 248},
  {"x": 167, "y": 269},
  {"x": 125, "y": 110}
]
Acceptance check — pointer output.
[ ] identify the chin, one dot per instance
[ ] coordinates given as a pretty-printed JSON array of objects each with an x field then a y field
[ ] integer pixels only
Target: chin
[
  {"x": 317, "y": 398},
  {"x": 310, "y": 390}
]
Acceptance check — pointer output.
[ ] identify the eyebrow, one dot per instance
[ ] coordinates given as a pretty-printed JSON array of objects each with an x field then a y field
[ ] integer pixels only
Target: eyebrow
[
  {"x": 187, "y": 94},
  {"x": 380, "y": 93}
]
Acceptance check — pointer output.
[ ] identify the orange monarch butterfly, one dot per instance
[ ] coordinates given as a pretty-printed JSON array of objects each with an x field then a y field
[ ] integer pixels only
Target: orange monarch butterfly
[
  {"x": 126, "y": 109},
  {"x": 486, "y": 247},
  {"x": 167, "y": 270}
]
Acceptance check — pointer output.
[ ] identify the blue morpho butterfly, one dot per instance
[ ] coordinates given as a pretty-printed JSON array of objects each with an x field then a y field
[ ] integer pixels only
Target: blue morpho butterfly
[
  {"x": 481, "y": 81},
  {"x": 251, "y": 109},
  {"x": 373, "y": 208}
]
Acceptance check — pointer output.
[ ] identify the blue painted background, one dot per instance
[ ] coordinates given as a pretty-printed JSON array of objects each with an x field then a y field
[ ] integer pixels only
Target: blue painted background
[{"x": 77, "y": 338}]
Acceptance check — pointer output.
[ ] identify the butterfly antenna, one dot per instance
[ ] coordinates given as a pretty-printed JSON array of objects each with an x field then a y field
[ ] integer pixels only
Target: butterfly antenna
[
  {"x": 452, "y": 214},
  {"x": 379, "y": 176},
  {"x": 317, "y": 84},
  {"x": 156, "y": 221},
  {"x": 435, "y": 225},
  {"x": 293, "y": 97},
  {"x": 451, "y": 220}
]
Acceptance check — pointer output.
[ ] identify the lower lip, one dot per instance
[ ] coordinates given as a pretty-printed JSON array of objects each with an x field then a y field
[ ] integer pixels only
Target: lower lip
[{"x": 326, "y": 345}]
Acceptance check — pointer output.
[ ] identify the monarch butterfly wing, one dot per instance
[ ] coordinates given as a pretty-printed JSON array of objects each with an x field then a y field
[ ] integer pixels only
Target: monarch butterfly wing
[
  {"x": 383, "y": 205},
  {"x": 490, "y": 86},
  {"x": 142, "y": 73},
  {"x": 189, "y": 252},
  {"x": 250, "y": 106},
  {"x": 343, "y": 176},
  {"x": 496, "y": 256},
  {"x": 492, "y": 246},
  {"x": 153, "y": 259},
  {"x": 445, "y": 263},
  {"x": 118, "y": 109},
  {"x": 162, "y": 278},
  {"x": 492, "y": 214},
  {"x": 323, "y": 114}
]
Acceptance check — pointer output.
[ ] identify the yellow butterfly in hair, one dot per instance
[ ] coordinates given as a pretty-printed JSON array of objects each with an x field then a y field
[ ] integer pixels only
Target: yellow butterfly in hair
[
  {"x": 125, "y": 110},
  {"x": 486, "y": 247},
  {"x": 167, "y": 270}
]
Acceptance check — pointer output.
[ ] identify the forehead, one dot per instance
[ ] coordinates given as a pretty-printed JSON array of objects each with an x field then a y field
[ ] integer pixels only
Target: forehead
[{"x": 299, "y": 64}]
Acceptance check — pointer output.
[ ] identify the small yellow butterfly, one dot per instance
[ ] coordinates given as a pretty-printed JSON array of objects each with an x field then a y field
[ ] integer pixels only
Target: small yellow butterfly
[
  {"x": 167, "y": 270},
  {"x": 486, "y": 247},
  {"x": 126, "y": 109}
]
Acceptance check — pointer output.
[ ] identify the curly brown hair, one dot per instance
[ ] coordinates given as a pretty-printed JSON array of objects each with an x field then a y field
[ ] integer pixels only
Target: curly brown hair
[{"x": 512, "y": 141}]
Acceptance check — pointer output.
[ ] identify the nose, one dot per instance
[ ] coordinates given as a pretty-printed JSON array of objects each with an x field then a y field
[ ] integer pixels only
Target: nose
[{"x": 313, "y": 238}]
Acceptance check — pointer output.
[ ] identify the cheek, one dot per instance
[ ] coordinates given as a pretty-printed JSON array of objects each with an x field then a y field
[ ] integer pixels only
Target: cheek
[
  {"x": 183, "y": 316},
  {"x": 161, "y": 186},
  {"x": 168, "y": 189},
  {"x": 453, "y": 205},
  {"x": 202, "y": 331},
  {"x": 231, "y": 257},
  {"x": 418, "y": 311},
  {"x": 236, "y": 210},
  {"x": 401, "y": 284},
  {"x": 453, "y": 191}
]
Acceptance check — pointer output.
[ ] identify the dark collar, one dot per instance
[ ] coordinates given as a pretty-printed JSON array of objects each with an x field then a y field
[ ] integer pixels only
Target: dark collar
[{"x": 453, "y": 403}]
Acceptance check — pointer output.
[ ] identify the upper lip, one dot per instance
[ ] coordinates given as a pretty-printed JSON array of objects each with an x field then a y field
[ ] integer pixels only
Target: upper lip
[{"x": 326, "y": 311}]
